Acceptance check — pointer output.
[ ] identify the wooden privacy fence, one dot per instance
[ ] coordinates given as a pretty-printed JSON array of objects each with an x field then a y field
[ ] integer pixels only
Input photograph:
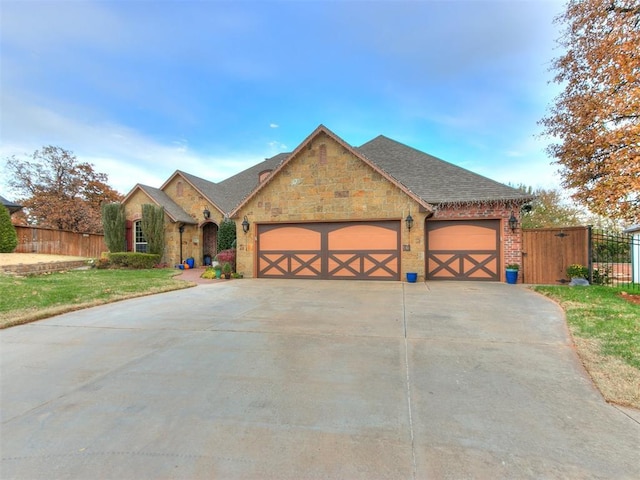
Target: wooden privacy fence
[
  {"x": 59, "y": 242},
  {"x": 547, "y": 252}
]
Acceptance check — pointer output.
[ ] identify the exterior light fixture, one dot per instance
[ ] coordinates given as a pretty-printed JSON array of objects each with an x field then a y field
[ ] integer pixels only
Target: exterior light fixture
[
  {"x": 513, "y": 222},
  {"x": 206, "y": 213},
  {"x": 245, "y": 224},
  {"x": 409, "y": 221}
]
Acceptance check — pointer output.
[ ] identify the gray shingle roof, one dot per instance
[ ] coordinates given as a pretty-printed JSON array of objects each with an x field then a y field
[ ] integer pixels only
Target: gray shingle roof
[
  {"x": 433, "y": 179},
  {"x": 174, "y": 210},
  {"x": 236, "y": 188},
  {"x": 12, "y": 207}
]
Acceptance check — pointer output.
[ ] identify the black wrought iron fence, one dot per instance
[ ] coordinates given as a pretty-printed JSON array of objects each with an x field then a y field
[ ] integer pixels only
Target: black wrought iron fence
[{"x": 614, "y": 259}]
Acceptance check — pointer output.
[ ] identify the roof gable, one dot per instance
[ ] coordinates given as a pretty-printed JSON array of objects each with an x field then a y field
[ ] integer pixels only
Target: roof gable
[
  {"x": 12, "y": 207},
  {"x": 433, "y": 179},
  {"x": 307, "y": 141},
  {"x": 157, "y": 196}
]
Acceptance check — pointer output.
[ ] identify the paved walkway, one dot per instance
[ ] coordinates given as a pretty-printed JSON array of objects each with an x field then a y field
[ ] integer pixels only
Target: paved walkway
[{"x": 285, "y": 379}]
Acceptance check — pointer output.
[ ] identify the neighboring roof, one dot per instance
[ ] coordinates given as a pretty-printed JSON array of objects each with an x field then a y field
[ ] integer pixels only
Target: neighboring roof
[
  {"x": 433, "y": 179},
  {"x": 171, "y": 208},
  {"x": 12, "y": 207},
  {"x": 632, "y": 229}
]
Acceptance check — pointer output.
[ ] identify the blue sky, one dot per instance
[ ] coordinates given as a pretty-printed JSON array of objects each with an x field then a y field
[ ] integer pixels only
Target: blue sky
[{"x": 142, "y": 88}]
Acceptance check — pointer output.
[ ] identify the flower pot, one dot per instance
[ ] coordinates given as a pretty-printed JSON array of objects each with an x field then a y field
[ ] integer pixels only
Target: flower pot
[
  {"x": 412, "y": 277},
  {"x": 512, "y": 276},
  {"x": 190, "y": 262},
  {"x": 218, "y": 273}
]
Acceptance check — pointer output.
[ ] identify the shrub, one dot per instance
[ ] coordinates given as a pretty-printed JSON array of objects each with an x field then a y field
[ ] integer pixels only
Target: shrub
[
  {"x": 513, "y": 266},
  {"x": 227, "y": 256},
  {"x": 209, "y": 273},
  {"x": 114, "y": 225},
  {"x": 153, "y": 227},
  {"x": 601, "y": 276},
  {"x": 226, "y": 269},
  {"x": 226, "y": 235},
  {"x": 8, "y": 235},
  {"x": 577, "y": 271},
  {"x": 134, "y": 260}
]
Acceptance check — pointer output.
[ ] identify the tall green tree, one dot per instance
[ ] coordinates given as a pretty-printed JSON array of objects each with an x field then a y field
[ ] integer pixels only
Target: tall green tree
[
  {"x": 60, "y": 192},
  {"x": 596, "y": 118},
  {"x": 114, "y": 225},
  {"x": 8, "y": 235},
  {"x": 152, "y": 224}
]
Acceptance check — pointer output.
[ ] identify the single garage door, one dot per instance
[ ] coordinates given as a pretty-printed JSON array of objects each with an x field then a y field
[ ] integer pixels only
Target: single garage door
[
  {"x": 341, "y": 250},
  {"x": 463, "y": 250}
]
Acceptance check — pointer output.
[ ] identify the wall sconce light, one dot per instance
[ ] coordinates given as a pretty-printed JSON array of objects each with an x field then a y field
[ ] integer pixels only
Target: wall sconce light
[
  {"x": 245, "y": 224},
  {"x": 513, "y": 222},
  {"x": 206, "y": 213},
  {"x": 409, "y": 221}
]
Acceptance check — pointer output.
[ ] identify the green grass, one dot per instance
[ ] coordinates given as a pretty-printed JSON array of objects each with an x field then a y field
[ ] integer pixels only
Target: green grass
[
  {"x": 24, "y": 299},
  {"x": 600, "y": 313}
]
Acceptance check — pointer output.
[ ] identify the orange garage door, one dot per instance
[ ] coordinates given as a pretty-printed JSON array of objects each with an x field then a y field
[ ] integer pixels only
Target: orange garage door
[
  {"x": 463, "y": 250},
  {"x": 346, "y": 250}
]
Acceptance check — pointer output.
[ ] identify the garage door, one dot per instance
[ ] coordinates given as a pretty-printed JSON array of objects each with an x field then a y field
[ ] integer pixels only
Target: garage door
[
  {"x": 463, "y": 250},
  {"x": 348, "y": 250}
]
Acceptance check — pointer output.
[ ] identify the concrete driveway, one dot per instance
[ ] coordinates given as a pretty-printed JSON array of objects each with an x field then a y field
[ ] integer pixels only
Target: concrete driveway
[{"x": 309, "y": 379}]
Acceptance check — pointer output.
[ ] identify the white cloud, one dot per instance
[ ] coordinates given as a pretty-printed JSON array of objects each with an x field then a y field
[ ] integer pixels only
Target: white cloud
[
  {"x": 274, "y": 125},
  {"x": 124, "y": 154}
]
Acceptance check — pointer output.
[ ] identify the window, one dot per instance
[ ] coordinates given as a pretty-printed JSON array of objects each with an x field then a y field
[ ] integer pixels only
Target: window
[
  {"x": 140, "y": 244},
  {"x": 179, "y": 189}
]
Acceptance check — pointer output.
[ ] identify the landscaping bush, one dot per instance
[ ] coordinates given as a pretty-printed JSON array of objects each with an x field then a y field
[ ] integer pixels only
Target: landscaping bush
[
  {"x": 227, "y": 256},
  {"x": 114, "y": 226},
  {"x": 226, "y": 235},
  {"x": 8, "y": 235},
  {"x": 577, "y": 271},
  {"x": 134, "y": 260}
]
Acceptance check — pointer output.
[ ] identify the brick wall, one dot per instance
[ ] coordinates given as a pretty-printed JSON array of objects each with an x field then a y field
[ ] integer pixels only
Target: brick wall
[{"x": 325, "y": 182}]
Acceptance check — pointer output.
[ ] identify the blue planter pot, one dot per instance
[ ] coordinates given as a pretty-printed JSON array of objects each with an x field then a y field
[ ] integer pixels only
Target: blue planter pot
[
  {"x": 412, "y": 277},
  {"x": 512, "y": 276}
]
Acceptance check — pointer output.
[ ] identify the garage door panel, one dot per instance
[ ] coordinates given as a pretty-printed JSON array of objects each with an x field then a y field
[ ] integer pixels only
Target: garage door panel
[
  {"x": 463, "y": 250},
  {"x": 290, "y": 238},
  {"x": 367, "y": 250}
]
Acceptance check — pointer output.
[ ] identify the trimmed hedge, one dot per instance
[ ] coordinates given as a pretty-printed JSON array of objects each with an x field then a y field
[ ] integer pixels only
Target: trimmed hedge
[{"x": 134, "y": 260}]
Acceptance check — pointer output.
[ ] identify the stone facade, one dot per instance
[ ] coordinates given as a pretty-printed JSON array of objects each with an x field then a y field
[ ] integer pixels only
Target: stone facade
[
  {"x": 192, "y": 202},
  {"x": 326, "y": 182}
]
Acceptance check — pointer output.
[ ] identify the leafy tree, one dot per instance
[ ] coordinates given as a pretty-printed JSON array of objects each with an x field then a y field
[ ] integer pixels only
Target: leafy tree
[
  {"x": 596, "y": 119},
  {"x": 60, "y": 192},
  {"x": 114, "y": 225},
  {"x": 152, "y": 225},
  {"x": 550, "y": 209},
  {"x": 8, "y": 235},
  {"x": 226, "y": 235}
]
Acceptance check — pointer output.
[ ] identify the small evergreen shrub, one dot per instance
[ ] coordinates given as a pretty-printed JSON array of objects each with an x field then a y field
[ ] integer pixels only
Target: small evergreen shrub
[
  {"x": 114, "y": 226},
  {"x": 8, "y": 235},
  {"x": 226, "y": 235},
  {"x": 134, "y": 260}
]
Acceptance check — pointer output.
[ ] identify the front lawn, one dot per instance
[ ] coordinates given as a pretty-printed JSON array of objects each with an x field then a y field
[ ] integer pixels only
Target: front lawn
[
  {"x": 25, "y": 299},
  {"x": 606, "y": 330}
]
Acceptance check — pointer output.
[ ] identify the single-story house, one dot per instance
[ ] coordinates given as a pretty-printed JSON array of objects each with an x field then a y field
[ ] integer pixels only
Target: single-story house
[
  {"x": 12, "y": 207},
  {"x": 329, "y": 210}
]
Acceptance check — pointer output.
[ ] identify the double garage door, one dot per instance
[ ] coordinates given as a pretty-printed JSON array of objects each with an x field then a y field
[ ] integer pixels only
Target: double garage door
[
  {"x": 456, "y": 250},
  {"x": 463, "y": 250},
  {"x": 340, "y": 250}
]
